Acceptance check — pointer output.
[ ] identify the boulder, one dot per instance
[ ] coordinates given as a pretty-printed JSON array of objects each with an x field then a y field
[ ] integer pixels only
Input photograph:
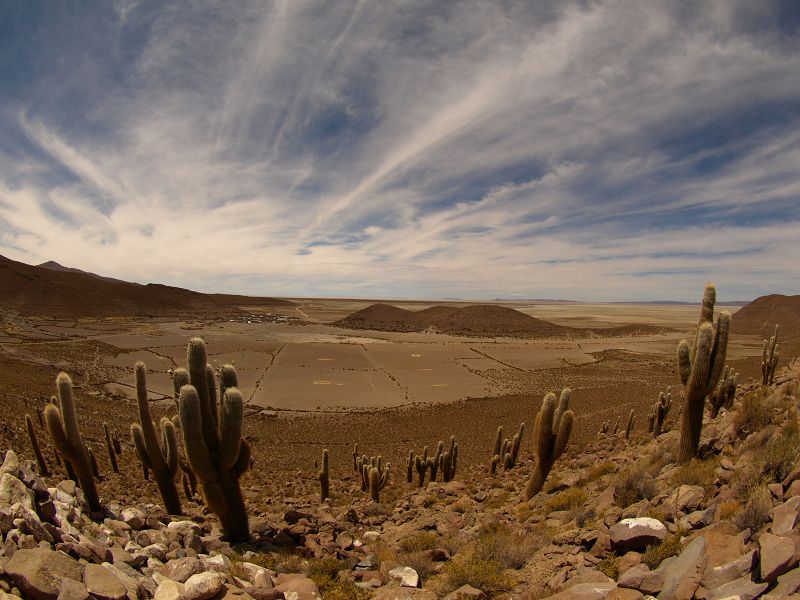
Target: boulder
[
  {"x": 715, "y": 577},
  {"x": 169, "y": 590},
  {"x": 784, "y": 518},
  {"x": 788, "y": 583},
  {"x": 38, "y": 572},
  {"x": 298, "y": 586},
  {"x": 636, "y": 533},
  {"x": 72, "y": 590},
  {"x": 12, "y": 490},
  {"x": 777, "y": 556},
  {"x": 684, "y": 499},
  {"x": 682, "y": 575},
  {"x": 103, "y": 584},
  {"x": 465, "y": 592},
  {"x": 406, "y": 576},
  {"x": 743, "y": 588},
  {"x": 624, "y": 594},
  {"x": 586, "y": 591},
  {"x": 202, "y": 586}
]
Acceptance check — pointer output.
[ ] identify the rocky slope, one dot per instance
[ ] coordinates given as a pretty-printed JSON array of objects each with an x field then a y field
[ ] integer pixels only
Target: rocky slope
[{"x": 618, "y": 519}]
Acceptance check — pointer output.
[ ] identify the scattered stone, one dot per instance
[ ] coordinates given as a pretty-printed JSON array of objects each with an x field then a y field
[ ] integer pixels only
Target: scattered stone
[
  {"x": 682, "y": 575},
  {"x": 38, "y": 572},
  {"x": 777, "y": 556},
  {"x": 103, "y": 584},
  {"x": 465, "y": 592},
  {"x": 406, "y": 576},
  {"x": 715, "y": 577},
  {"x": 72, "y": 590},
  {"x": 743, "y": 588},
  {"x": 295, "y": 586},
  {"x": 586, "y": 591}
]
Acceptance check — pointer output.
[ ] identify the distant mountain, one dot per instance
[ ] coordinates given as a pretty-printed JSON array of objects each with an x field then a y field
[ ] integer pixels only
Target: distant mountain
[
  {"x": 54, "y": 266},
  {"x": 762, "y": 314},
  {"x": 477, "y": 319},
  {"x": 55, "y": 290}
]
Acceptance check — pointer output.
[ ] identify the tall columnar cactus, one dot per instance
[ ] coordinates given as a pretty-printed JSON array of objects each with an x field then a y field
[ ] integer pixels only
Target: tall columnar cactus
[
  {"x": 94, "y": 465},
  {"x": 62, "y": 423},
  {"x": 378, "y": 478},
  {"x": 498, "y": 448},
  {"x": 161, "y": 456},
  {"x": 355, "y": 457},
  {"x": 37, "y": 451},
  {"x": 629, "y": 426},
  {"x": 448, "y": 462},
  {"x": 324, "y": 479},
  {"x": 659, "y": 413},
  {"x": 214, "y": 446},
  {"x": 725, "y": 393},
  {"x": 436, "y": 461},
  {"x": 422, "y": 464},
  {"x": 410, "y": 467},
  {"x": 112, "y": 453},
  {"x": 700, "y": 369},
  {"x": 769, "y": 358},
  {"x": 551, "y": 433}
]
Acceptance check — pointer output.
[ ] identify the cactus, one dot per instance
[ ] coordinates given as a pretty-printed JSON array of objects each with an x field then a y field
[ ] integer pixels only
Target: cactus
[
  {"x": 93, "y": 464},
  {"x": 62, "y": 423},
  {"x": 498, "y": 448},
  {"x": 410, "y": 467},
  {"x": 629, "y": 426},
  {"x": 551, "y": 432},
  {"x": 725, "y": 393},
  {"x": 160, "y": 457},
  {"x": 434, "y": 463},
  {"x": 700, "y": 369},
  {"x": 214, "y": 446},
  {"x": 422, "y": 465},
  {"x": 40, "y": 416},
  {"x": 355, "y": 457},
  {"x": 141, "y": 453},
  {"x": 655, "y": 420},
  {"x": 516, "y": 443},
  {"x": 378, "y": 478},
  {"x": 493, "y": 464},
  {"x": 322, "y": 475},
  {"x": 449, "y": 460},
  {"x": 116, "y": 442},
  {"x": 37, "y": 451},
  {"x": 112, "y": 453},
  {"x": 769, "y": 358}
]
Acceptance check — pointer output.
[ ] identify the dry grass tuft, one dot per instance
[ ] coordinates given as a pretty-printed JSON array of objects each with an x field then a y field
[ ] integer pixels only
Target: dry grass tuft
[
  {"x": 654, "y": 555},
  {"x": 755, "y": 513},
  {"x": 570, "y": 499},
  {"x": 756, "y": 410},
  {"x": 609, "y": 567},
  {"x": 696, "y": 472},
  {"x": 633, "y": 485}
]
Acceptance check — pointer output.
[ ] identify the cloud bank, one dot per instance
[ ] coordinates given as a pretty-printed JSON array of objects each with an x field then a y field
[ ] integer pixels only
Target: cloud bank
[{"x": 590, "y": 150}]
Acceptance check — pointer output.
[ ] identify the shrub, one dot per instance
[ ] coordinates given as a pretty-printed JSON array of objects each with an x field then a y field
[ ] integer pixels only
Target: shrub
[
  {"x": 755, "y": 513},
  {"x": 781, "y": 452},
  {"x": 569, "y": 499},
  {"x": 598, "y": 470},
  {"x": 512, "y": 547},
  {"x": 755, "y": 411},
  {"x": 346, "y": 590},
  {"x": 633, "y": 485},
  {"x": 471, "y": 568},
  {"x": 696, "y": 472},
  {"x": 420, "y": 541},
  {"x": 728, "y": 509},
  {"x": 323, "y": 571},
  {"x": 609, "y": 567},
  {"x": 654, "y": 555}
]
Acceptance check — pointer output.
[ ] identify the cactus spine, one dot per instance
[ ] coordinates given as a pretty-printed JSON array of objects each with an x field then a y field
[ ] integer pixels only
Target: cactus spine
[
  {"x": 214, "y": 446},
  {"x": 769, "y": 358},
  {"x": 700, "y": 368},
  {"x": 161, "y": 457},
  {"x": 324, "y": 480},
  {"x": 43, "y": 470},
  {"x": 552, "y": 429},
  {"x": 724, "y": 395},
  {"x": 62, "y": 423}
]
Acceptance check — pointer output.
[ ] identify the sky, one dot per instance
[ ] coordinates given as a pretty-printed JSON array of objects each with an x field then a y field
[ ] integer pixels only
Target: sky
[{"x": 591, "y": 150}]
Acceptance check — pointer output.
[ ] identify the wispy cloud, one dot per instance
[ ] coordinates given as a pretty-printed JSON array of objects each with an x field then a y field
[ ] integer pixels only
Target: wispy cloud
[{"x": 610, "y": 149}]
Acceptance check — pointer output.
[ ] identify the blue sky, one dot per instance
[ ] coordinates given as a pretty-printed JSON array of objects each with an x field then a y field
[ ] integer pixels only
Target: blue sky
[{"x": 606, "y": 150}]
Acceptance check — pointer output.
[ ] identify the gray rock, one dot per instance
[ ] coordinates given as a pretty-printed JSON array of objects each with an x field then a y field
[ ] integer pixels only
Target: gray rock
[
  {"x": 12, "y": 490},
  {"x": 682, "y": 576},
  {"x": 638, "y": 532},
  {"x": 10, "y": 463},
  {"x": 38, "y": 572},
  {"x": 169, "y": 590},
  {"x": 133, "y": 517},
  {"x": 777, "y": 556},
  {"x": 202, "y": 586},
  {"x": 103, "y": 584}
]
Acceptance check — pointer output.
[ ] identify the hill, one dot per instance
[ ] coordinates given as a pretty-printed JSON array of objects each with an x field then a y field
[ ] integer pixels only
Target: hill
[
  {"x": 64, "y": 292},
  {"x": 54, "y": 266},
  {"x": 478, "y": 319},
  {"x": 762, "y": 314}
]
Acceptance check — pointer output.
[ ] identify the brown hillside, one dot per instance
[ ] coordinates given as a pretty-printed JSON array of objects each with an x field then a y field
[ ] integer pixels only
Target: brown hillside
[
  {"x": 479, "y": 319},
  {"x": 35, "y": 290},
  {"x": 762, "y": 314}
]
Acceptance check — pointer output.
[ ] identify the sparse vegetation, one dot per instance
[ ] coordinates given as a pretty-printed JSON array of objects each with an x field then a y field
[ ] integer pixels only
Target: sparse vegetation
[
  {"x": 634, "y": 484},
  {"x": 570, "y": 499},
  {"x": 654, "y": 555},
  {"x": 696, "y": 472}
]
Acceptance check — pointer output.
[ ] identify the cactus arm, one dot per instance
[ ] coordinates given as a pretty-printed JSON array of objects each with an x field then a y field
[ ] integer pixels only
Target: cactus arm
[
  {"x": 545, "y": 423},
  {"x": 67, "y": 404},
  {"x": 230, "y": 428},
  {"x": 684, "y": 361},
  {"x": 227, "y": 379},
  {"x": 719, "y": 350},
  {"x": 52, "y": 417},
  {"x": 170, "y": 445},
  {"x": 243, "y": 461},
  {"x": 212, "y": 394},
  {"x": 197, "y": 363},
  {"x": 564, "y": 431},
  {"x": 197, "y": 452},
  {"x": 37, "y": 451}
]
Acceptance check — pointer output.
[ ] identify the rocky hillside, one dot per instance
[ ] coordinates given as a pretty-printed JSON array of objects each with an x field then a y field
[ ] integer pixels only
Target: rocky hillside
[
  {"x": 617, "y": 518},
  {"x": 68, "y": 293},
  {"x": 762, "y": 314}
]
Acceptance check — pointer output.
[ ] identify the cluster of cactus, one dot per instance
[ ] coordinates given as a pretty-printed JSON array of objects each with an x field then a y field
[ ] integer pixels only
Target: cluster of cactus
[
  {"x": 213, "y": 438},
  {"x": 444, "y": 462},
  {"x": 159, "y": 455},
  {"x": 62, "y": 423},
  {"x": 631, "y": 423},
  {"x": 725, "y": 393},
  {"x": 655, "y": 420},
  {"x": 551, "y": 432},
  {"x": 506, "y": 451},
  {"x": 769, "y": 358},
  {"x": 700, "y": 368},
  {"x": 324, "y": 478},
  {"x": 374, "y": 474}
]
